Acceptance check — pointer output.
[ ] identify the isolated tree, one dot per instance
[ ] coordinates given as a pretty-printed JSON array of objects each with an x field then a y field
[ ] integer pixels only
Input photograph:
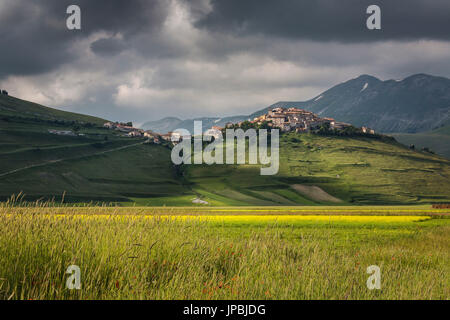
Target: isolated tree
[{"x": 76, "y": 128}]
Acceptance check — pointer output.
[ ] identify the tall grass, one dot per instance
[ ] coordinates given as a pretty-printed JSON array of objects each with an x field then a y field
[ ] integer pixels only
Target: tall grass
[
  {"x": 19, "y": 200},
  {"x": 132, "y": 257}
]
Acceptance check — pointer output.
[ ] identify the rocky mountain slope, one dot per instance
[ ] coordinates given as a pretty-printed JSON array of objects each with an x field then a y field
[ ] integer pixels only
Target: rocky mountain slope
[{"x": 417, "y": 103}]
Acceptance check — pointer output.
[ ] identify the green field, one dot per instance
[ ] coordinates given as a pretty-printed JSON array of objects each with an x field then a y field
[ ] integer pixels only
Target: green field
[{"x": 224, "y": 253}]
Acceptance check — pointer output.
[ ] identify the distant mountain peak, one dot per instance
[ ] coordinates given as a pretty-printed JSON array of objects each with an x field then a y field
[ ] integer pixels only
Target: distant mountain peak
[
  {"x": 420, "y": 75},
  {"x": 366, "y": 77},
  {"x": 420, "y": 102}
]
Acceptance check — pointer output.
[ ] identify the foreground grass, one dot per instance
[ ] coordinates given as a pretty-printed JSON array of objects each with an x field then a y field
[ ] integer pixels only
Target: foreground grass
[{"x": 153, "y": 253}]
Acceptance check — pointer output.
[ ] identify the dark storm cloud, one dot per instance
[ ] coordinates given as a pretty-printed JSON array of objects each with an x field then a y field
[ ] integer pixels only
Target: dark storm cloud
[
  {"x": 145, "y": 59},
  {"x": 108, "y": 46},
  {"x": 35, "y": 38},
  {"x": 125, "y": 16},
  {"x": 329, "y": 20}
]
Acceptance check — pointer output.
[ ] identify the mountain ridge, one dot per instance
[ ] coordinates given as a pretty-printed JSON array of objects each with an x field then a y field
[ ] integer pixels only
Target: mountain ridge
[{"x": 418, "y": 103}]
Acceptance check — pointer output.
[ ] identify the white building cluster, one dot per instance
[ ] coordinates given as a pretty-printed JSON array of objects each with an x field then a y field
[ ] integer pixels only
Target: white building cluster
[
  {"x": 131, "y": 131},
  {"x": 290, "y": 119}
]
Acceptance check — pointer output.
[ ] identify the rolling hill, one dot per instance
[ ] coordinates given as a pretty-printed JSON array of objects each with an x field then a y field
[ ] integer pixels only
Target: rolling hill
[
  {"x": 11, "y": 107},
  {"x": 99, "y": 164},
  {"x": 330, "y": 170}
]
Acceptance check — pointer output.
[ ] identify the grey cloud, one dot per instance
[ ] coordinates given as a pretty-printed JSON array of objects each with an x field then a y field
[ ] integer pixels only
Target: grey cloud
[
  {"x": 160, "y": 46},
  {"x": 127, "y": 17},
  {"x": 108, "y": 46},
  {"x": 329, "y": 20},
  {"x": 36, "y": 39},
  {"x": 228, "y": 57},
  {"x": 31, "y": 43}
]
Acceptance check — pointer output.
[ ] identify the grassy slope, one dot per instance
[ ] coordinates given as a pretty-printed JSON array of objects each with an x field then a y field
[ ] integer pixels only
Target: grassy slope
[
  {"x": 354, "y": 170},
  {"x": 91, "y": 169},
  {"x": 437, "y": 140},
  {"x": 11, "y": 106}
]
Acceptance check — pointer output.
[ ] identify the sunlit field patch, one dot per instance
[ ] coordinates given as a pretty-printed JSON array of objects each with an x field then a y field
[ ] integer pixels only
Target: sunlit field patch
[
  {"x": 300, "y": 218},
  {"x": 250, "y": 218}
]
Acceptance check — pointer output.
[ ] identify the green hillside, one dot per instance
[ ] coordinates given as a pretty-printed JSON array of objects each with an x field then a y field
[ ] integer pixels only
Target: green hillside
[
  {"x": 99, "y": 164},
  {"x": 437, "y": 140},
  {"x": 317, "y": 170},
  {"x": 11, "y": 107}
]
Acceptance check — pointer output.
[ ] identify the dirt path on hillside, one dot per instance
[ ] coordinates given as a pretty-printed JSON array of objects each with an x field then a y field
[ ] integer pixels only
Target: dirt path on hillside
[
  {"x": 315, "y": 193},
  {"x": 65, "y": 159}
]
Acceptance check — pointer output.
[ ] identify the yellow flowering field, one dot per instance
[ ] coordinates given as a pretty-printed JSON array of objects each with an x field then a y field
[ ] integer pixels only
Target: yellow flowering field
[{"x": 200, "y": 253}]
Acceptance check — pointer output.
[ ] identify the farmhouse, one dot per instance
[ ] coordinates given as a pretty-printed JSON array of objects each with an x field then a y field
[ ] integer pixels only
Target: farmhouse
[
  {"x": 367, "y": 130},
  {"x": 134, "y": 133},
  {"x": 109, "y": 125},
  {"x": 124, "y": 128},
  {"x": 171, "y": 136},
  {"x": 150, "y": 134}
]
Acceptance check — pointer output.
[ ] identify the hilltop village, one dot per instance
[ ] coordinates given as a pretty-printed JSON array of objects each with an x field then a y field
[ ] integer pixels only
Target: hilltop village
[
  {"x": 285, "y": 119},
  {"x": 299, "y": 120}
]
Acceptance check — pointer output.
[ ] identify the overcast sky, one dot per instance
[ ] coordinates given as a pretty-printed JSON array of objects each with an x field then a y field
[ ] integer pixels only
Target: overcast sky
[{"x": 143, "y": 60}]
